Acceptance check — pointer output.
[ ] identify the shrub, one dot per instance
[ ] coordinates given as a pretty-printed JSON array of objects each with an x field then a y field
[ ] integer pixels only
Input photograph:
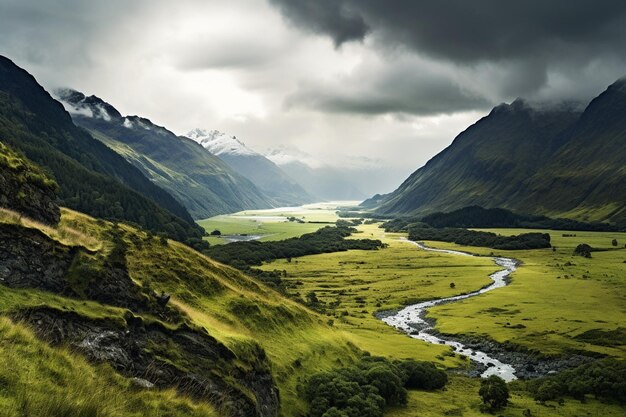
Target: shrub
[
  {"x": 583, "y": 250},
  {"x": 422, "y": 375},
  {"x": 494, "y": 392},
  {"x": 485, "y": 239}
]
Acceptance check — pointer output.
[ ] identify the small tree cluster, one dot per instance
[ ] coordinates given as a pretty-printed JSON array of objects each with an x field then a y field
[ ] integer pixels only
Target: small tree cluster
[
  {"x": 605, "y": 379},
  {"x": 366, "y": 389}
]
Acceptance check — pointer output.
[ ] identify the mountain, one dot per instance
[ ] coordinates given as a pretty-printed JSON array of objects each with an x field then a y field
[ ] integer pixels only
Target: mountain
[
  {"x": 92, "y": 178},
  {"x": 551, "y": 160},
  {"x": 586, "y": 176},
  {"x": 265, "y": 174},
  {"x": 327, "y": 182},
  {"x": 201, "y": 181}
]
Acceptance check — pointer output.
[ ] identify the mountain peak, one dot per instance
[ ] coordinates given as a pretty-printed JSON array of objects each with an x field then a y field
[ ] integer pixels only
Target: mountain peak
[
  {"x": 76, "y": 103},
  {"x": 219, "y": 143}
]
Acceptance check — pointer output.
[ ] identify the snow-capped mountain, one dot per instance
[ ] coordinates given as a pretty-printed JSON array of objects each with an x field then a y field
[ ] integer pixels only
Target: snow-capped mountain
[
  {"x": 219, "y": 143},
  {"x": 265, "y": 174}
]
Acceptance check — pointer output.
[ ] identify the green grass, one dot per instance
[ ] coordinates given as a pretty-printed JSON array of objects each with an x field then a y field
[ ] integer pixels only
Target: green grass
[
  {"x": 244, "y": 315},
  {"x": 461, "y": 399},
  {"x": 560, "y": 308},
  {"x": 555, "y": 296},
  {"x": 364, "y": 282},
  {"x": 232, "y": 307}
]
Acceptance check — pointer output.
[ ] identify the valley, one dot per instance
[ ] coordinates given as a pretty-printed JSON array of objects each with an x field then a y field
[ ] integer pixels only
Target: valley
[
  {"x": 272, "y": 224},
  {"x": 149, "y": 273}
]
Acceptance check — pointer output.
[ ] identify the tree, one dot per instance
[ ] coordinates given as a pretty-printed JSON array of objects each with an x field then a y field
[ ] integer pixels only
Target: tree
[
  {"x": 216, "y": 233},
  {"x": 614, "y": 242},
  {"x": 494, "y": 392},
  {"x": 452, "y": 285},
  {"x": 549, "y": 390}
]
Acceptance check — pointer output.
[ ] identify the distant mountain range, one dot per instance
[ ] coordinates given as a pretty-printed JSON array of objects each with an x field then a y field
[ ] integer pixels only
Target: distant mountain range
[
  {"x": 201, "y": 181},
  {"x": 265, "y": 174},
  {"x": 562, "y": 161},
  {"x": 327, "y": 182}
]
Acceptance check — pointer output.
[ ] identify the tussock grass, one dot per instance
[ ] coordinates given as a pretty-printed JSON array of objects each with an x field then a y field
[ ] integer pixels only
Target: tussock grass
[
  {"x": 37, "y": 380},
  {"x": 62, "y": 233}
]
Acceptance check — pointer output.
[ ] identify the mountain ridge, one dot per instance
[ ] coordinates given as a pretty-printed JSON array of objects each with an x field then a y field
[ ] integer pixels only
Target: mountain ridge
[
  {"x": 92, "y": 178},
  {"x": 199, "y": 180},
  {"x": 506, "y": 159}
]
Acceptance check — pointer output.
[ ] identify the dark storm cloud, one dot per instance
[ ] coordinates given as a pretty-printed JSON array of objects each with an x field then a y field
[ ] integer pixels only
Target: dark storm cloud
[
  {"x": 467, "y": 31},
  {"x": 336, "y": 18},
  {"x": 549, "y": 50},
  {"x": 396, "y": 90}
]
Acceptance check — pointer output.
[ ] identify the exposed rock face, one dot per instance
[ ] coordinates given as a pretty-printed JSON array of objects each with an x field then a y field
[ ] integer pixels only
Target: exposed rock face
[
  {"x": 184, "y": 358},
  {"x": 25, "y": 188},
  {"x": 152, "y": 351},
  {"x": 30, "y": 259}
]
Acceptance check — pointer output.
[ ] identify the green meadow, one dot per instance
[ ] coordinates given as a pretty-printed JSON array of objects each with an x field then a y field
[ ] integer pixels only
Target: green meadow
[
  {"x": 272, "y": 224},
  {"x": 556, "y": 303}
]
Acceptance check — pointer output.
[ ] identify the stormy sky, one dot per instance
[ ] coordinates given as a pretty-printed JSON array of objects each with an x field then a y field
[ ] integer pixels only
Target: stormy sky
[{"x": 377, "y": 86}]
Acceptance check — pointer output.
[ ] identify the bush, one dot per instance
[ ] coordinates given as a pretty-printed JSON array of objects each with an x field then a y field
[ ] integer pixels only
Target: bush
[
  {"x": 422, "y": 375},
  {"x": 583, "y": 250},
  {"x": 494, "y": 392}
]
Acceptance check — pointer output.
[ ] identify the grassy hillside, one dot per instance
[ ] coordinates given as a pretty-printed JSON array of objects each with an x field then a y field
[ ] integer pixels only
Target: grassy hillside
[
  {"x": 262, "y": 329},
  {"x": 92, "y": 178},
  {"x": 486, "y": 164},
  {"x": 26, "y": 188},
  {"x": 202, "y": 182},
  {"x": 38, "y": 380}
]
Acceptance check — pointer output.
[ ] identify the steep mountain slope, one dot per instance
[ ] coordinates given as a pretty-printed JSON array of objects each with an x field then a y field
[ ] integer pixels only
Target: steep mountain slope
[
  {"x": 552, "y": 161},
  {"x": 265, "y": 174},
  {"x": 92, "y": 178},
  {"x": 586, "y": 176},
  {"x": 202, "y": 182}
]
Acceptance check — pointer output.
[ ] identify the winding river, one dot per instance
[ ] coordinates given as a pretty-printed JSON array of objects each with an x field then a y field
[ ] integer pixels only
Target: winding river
[{"x": 411, "y": 319}]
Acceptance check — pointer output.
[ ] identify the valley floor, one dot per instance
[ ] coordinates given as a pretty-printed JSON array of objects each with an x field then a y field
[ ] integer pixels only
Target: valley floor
[{"x": 556, "y": 304}]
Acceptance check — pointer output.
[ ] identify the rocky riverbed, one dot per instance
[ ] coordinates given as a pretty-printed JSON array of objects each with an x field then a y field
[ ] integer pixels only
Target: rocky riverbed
[{"x": 488, "y": 357}]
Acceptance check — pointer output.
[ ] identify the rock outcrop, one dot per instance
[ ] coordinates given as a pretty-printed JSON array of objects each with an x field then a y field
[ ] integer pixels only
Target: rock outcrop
[{"x": 26, "y": 188}]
